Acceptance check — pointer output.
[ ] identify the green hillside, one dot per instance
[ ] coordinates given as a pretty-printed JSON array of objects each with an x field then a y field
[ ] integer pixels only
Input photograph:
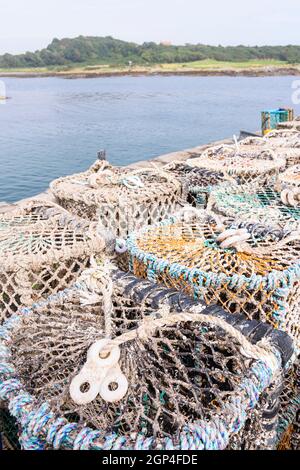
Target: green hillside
[{"x": 90, "y": 50}]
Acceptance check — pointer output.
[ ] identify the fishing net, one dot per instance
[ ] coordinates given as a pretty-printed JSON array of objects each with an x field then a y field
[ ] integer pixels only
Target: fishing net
[
  {"x": 9, "y": 431},
  {"x": 258, "y": 203},
  {"x": 42, "y": 250},
  {"x": 193, "y": 381},
  {"x": 247, "y": 268},
  {"x": 285, "y": 144},
  {"x": 122, "y": 199},
  {"x": 197, "y": 183},
  {"x": 294, "y": 125},
  {"x": 240, "y": 164},
  {"x": 291, "y": 177},
  {"x": 289, "y": 415}
]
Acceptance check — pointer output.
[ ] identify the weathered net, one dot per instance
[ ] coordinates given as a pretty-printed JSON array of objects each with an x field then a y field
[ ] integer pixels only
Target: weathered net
[
  {"x": 9, "y": 431},
  {"x": 197, "y": 183},
  {"x": 194, "y": 381},
  {"x": 255, "y": 202},
  {"x": 291, "y": 177},
  {"x": 285, "y": 144},
  {"x": 258, "y": 277},
  {"x": 42, "y": 250},
  {"x": 240, "y": 164},
  {"x": 294, "y": 125},
  {"x": 120, "y": 198},
  {"x": 289, "y": 415}
]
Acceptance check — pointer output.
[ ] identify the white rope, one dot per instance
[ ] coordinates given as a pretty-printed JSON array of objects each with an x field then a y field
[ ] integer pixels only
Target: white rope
[{"x": 261, "y": 351}]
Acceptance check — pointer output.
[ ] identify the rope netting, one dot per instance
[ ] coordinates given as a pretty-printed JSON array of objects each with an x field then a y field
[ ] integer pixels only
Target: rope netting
[
  {"x": 289, "y": 416},
  {"x": 258, "y": 203},
  {"x": 9, "y": 431},
  {"x": 247, "y": 268},
  {"x": 285, "y": 144},
  {"x": 42, "y": 250},
  {"x": 197, "y": 183},
  {"x": 294, "y": 125},
  {"x": 291, "y": 176},
  {"x": 240, "y": 164},
  {"x": 192, "y": 379},
  {"x": 121, "y": 198}
]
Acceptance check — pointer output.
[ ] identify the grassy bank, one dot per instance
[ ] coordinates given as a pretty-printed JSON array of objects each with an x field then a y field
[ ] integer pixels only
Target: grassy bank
[{"x": 203, "y": 67}]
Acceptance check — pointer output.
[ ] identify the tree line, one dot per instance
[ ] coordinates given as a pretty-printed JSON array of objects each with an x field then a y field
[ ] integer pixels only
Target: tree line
[{"x": 107, "y": 50}]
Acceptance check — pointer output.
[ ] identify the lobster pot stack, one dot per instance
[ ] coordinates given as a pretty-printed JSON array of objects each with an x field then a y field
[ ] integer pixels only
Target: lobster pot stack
[
  {"x": 240, "y": 164},
  {"x": 130, "y": 365},
  {"x": 247, "y": 268},
  {"x": 197, "y": 183},
  {"x": 42, "y": 250},
  {"x": 120, "y": 198},
  {"x": 270, "y": 205},
  {"x": 285, "y": 144},
  {"x": 294, "y": 125}
]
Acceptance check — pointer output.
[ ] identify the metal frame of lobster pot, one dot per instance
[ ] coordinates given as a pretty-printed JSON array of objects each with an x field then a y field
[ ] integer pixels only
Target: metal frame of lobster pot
[
  {"x": 43, "y": 248},
  {"x": 122, "y": 199},
  {"x": 135, "y": 365}
]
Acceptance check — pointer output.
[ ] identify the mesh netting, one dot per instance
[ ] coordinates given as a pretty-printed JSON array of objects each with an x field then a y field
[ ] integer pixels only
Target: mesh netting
[
  {"x": 194, "y": 381},
  {"x": 181, "y": 373},
  {"x": 240, "y": 163},
  {"x": 42, "y": 250},
  {"x": 259, "y": 277},
  {"x": 289, "y": 416},
  {"x": 122, "y": 199},
  {"x": 294, "y": 125},
  {"x": 291, "y": 177},
  {"x": 196, "y": 182},
  {"x": 9, "y": 431},
  {"x": 285, "y": 144},
  {"x": 255, "y": 202}
]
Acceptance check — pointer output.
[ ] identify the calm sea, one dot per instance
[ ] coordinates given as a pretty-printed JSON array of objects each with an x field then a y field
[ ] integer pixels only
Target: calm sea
[{"x": 52, "y": 127}]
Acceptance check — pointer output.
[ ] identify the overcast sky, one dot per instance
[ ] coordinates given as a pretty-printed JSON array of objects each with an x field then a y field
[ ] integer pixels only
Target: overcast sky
[{"x": 32, "y": 24}]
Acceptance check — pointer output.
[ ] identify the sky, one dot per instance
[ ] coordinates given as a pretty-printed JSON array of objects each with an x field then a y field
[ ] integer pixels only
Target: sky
[{"x": 32, "y": 24}]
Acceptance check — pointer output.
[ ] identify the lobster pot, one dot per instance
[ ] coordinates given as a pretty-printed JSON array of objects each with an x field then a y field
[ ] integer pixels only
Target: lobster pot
[
  {"x": 257, "y": 203},
  {"x": 121, "y": 199},
  {"x": 194, "y": 379},
  {"x": 290, "y": 124},
  {"x": 42, "y": 250},
  {"x": 291, "y": 177},
  {"x": 197, "y": 183},
  {"x": 289, "y": 415},
  {"x": 271, "y": 118},
  {"x": 246, "y": 268},
  {"x": 240, "y": 165},
  {"x": 285, "y": 145}
]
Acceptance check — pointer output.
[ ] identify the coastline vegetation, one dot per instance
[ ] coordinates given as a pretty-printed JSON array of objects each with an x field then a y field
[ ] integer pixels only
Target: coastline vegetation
[{"x": 93, "y": 53}]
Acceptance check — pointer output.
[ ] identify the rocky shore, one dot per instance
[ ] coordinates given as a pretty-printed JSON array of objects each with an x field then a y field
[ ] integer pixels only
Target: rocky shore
[{"x": 243, "y": 72}]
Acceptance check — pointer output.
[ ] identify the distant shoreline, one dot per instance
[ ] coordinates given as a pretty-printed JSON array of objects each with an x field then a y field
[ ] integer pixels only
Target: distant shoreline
[{"x": 73, "y": 74}]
